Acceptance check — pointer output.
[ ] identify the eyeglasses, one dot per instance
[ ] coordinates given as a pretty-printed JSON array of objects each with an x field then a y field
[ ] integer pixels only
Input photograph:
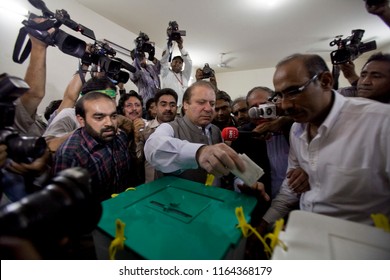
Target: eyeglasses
[{"x": 293, "y": 93}]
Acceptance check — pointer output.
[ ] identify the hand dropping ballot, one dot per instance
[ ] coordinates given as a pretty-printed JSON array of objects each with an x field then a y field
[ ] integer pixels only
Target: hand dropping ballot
[{"x": 252, "y": 171}]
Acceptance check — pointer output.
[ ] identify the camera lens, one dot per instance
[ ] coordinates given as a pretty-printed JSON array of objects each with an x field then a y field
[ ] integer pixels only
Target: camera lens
[
  {"x": 23, "y": 148},
  {"x": 65, "y": 207}
]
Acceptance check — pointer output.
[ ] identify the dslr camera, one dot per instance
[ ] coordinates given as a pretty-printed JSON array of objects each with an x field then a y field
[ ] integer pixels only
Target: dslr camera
[
  {"x": 100, "y": 54},
  {"x": 173, "y": 31},
  {"x": 19, "y": 148},
  {"x": 207, "y": 71},
  {"x": 266, "y": 111},
  {"x": 350, "y": 48}
]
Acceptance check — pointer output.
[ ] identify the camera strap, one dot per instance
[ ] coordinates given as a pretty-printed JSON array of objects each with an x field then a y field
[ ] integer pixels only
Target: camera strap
[
  {"x": 37, "y": 30},
  {"x": 170, "y": 50},
  {"x": 18, "y": 47},
  {"x": 81, "y": 72},
  {"x": 336, "y": 75}
]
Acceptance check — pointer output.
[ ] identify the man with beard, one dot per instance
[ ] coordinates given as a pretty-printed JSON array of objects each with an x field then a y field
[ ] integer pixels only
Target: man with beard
[
  {"x": 341, "y": 143},
  {"x": 98, "y": 146},
  {"x": 166, "y": 109}
]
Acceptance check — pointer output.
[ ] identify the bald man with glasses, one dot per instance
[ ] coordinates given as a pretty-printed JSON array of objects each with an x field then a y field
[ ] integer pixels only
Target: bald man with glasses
[{"x": 343, "y": 144}]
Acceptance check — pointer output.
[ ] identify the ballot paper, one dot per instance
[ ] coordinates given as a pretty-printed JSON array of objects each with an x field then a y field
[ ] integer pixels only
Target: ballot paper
[{"x": 252, "y": 171}]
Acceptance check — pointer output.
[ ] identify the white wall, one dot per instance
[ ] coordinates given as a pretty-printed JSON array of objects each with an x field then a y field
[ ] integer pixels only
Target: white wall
[
  {"x": 61, "y": 67},
  {"x": 238, "y": 83}
]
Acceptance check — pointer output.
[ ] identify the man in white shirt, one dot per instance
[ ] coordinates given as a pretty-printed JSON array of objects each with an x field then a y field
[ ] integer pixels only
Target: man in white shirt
[
  {"x": 173, "y": 75},
  {"x": 343, "y": 144}
]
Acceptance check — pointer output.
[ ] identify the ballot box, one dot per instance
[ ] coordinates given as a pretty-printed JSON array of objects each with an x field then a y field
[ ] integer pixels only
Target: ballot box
[
  {"x": 175, "y": 219},
  {"x": 310, "y": 236}
]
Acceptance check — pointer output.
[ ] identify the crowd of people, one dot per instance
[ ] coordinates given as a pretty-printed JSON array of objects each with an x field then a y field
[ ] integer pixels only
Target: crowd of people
[{"x": 325, "y": 151}]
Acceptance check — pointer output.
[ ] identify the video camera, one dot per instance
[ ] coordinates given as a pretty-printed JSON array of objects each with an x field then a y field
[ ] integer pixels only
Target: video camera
[
  {"x": 207, "y": 72},
  {"x": 65, "y": 207},
  {"x": 173, "y": 31},
  {"x": 100, "y": 54},
  {"x": 265, "y": 111},
  {"x": 142, "y": 43},
  {"x": 350, "y": 48},
  {"x": 19, "y": 148}
]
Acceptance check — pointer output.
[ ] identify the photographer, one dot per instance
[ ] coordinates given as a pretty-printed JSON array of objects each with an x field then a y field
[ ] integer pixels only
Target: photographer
[
  {"x": 146, "y": 77},
  {"x": 201, "y": 75},
  {"x": 374, "y": 80},
  {"x": 26, "y": 118},
  {"x": 173, "y": 75},
  {"x": 20, "y": 178}
]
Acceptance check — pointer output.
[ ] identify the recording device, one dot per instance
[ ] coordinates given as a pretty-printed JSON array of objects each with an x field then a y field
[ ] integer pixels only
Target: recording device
[
  {"x": 100, "y": 54},
  {"x": 63, "y": 208},
  {"x": 231, "y": 133},
  {"x": 143, "y": 44},
  {"x": 350, "y": 48},
  {"x": 173, "y": 31},
  {"x": 375, "y": 2},
  {"x": 19, "y": 148},
  {"x": 207, "y": 71},
  {"x": 265, "y": 111}
]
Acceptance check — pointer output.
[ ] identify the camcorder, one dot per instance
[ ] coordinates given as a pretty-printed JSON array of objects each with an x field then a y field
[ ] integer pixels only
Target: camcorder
[
  {"x": 22, "y": 149},
  {"x": 265, "y": 111},
  {"x": 173, "y": 31},
  {"x": 350, "y": 48},
  {"x": 143, "y": 44},
  {"x": 64, "y": 208},
  {"x": 100, "y": 53},
  {"x": 207, "y": 72}
]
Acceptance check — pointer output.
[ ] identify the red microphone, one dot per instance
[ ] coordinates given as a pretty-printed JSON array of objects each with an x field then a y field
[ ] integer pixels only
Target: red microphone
[{"x": 230, "y": 133}]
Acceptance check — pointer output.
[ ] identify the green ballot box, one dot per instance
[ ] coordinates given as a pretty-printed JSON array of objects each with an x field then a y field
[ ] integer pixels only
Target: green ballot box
[{"x": 174, "y": 219}]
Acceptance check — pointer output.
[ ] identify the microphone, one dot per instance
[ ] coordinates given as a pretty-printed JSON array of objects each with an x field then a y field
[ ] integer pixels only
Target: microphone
[{"x": 231, "y": 133}]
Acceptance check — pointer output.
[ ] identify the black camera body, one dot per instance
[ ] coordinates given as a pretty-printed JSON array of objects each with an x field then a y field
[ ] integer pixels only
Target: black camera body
[
  {"x": 65, "y": 207},
  {"x": 100, "y": 54},
  {"x": 19, "y": 148},
  {"x": 173, "y": 31},
  {"x": 207, "y": 71},
  {"x": 350, "y": 48},
  {"x": 143, "y": 44}
]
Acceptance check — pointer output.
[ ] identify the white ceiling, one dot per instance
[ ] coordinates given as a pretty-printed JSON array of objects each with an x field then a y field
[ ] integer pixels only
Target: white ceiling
[{"x": 253, "y": 33}]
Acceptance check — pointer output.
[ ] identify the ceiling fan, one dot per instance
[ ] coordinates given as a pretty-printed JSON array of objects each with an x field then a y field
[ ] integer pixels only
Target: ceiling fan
[{"x": 224, "y": 63}]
